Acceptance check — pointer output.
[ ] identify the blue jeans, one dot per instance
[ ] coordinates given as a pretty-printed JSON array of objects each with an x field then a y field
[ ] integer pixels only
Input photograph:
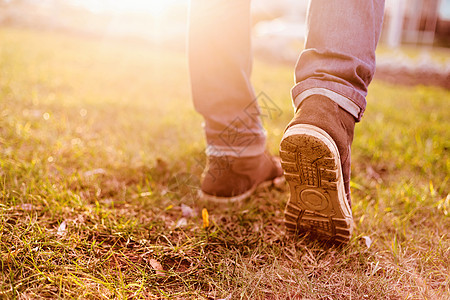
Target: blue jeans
[{"x": 338, "y": 62}]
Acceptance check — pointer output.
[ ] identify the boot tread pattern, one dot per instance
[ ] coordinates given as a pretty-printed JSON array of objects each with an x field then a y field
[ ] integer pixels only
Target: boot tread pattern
[{"x": 312, "y": 172}]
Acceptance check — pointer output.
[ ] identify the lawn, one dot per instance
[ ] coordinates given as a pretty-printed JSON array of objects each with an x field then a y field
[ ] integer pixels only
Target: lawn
[{"x": 100, "y": 157}]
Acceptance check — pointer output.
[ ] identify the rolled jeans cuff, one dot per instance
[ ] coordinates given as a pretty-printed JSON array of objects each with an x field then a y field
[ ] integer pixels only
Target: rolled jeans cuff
[
  {"x": 346, "y": 97},
  {"x": 246, "y": 148}
]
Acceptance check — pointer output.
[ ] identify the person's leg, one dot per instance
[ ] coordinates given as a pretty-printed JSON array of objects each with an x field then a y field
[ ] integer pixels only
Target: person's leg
[
  {"x": 220, "y": 64},
  {"x": 332, "y": 76},
  {"x": 339, "y": 57}
]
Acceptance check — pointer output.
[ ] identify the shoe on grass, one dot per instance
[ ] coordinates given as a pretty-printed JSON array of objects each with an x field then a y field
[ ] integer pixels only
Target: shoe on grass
[
  {"x": 315, "y": 156},
  {"x": 228, "y": 179}
]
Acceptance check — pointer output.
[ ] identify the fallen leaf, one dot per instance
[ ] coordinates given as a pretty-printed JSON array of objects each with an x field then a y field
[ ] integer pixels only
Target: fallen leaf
[
  {"x": 157, "y": 267},
  {"x": 368, "y": 241},
  {"x": 26, "y": 207},
  {"x": 62, "y": 229},
  {"x": 205, "y": 217},
  {"x": 187, "y": 211},
  {"x": 164, "y": 191},
  {"x": 181, "y": 222},
  {"x": 146, "y": 194}
]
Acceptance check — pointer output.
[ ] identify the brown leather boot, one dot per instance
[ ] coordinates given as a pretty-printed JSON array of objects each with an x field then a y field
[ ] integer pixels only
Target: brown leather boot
[
  {"x": 231, "y": 179},
  {"x": 315, "y": 153}
]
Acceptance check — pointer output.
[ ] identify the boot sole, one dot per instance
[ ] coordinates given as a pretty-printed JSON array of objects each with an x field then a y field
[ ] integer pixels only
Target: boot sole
[{"x": 312, "y": 167}]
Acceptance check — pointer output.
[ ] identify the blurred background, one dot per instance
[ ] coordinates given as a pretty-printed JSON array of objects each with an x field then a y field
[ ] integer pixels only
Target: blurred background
[{"x": 414, "y": 46}]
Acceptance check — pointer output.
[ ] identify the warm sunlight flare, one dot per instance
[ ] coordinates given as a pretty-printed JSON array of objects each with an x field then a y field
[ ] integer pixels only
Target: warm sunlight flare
[
  {"x": 152, "y": 7},
  {"x": 207, "y": 149}
]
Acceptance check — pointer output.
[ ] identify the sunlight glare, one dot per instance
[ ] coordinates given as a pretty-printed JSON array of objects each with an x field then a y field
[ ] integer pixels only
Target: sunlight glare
[{"x": 153, "y": 7}]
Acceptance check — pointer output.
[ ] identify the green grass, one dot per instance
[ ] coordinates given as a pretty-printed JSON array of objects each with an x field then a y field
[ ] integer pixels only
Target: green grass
[
  {"x": 102, "y": 135},
  {"x": 415, "y": 54}
]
